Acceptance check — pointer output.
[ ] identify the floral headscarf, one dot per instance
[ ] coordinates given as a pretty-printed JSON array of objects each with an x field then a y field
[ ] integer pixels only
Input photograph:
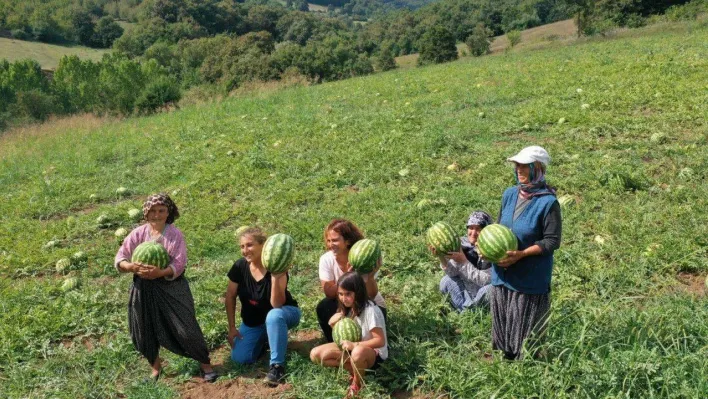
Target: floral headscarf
[{"x": 161, "y": 199}]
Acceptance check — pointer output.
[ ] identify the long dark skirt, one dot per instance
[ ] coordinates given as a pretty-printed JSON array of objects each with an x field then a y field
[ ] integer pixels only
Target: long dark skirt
[
  {"x": 161, "y": 313},
  {"x": 517, "y": 317}
]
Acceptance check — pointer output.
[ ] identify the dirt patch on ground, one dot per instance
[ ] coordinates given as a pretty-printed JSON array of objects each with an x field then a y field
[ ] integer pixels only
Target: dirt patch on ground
[
  {"x": 248, "y": 385},
  {"x": 691, "y": 283}
]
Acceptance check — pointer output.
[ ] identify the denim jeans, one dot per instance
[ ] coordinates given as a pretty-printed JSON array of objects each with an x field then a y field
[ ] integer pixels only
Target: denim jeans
[
  {"x": 459, "y": 297},
  {"x": 248, "y": 348}
]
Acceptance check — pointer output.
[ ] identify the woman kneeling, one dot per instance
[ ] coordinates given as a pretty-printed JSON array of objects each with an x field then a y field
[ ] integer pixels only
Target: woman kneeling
[
  {"x": 356, "y": 357},
  {"x": 268, "y": 310}
]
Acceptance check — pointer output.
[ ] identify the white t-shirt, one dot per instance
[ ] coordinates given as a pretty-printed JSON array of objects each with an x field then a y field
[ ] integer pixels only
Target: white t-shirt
[
  {"x": 369, "y": 319},
  {"x": 330, "y": 271}
]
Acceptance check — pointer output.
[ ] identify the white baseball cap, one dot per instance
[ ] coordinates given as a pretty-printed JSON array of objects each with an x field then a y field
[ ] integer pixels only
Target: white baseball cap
[{"x": 530, "y": 155}]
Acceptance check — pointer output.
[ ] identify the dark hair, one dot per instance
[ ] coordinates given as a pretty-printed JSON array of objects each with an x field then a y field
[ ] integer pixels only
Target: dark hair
[
  {"x": 352, "y": 281},
  {"x": 348, "y": 230}
]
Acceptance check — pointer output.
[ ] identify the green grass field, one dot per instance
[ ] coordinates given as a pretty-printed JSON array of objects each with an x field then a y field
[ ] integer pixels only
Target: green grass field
[
  {"x": 629, "y": 307},
  {"x": 48, "y": 55}
]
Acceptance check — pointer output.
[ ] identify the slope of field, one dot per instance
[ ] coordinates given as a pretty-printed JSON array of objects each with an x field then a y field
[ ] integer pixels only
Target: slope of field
[
  {"x": 549, "y": 34},
  {"x": 48, "y": 55},
  {"x": 625, "y": 122}
]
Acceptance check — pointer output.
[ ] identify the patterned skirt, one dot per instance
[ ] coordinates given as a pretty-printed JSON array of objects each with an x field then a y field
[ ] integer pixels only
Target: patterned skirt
[
  {"x": 517, "y": 317},
  {"x": 161, "y": 313}
]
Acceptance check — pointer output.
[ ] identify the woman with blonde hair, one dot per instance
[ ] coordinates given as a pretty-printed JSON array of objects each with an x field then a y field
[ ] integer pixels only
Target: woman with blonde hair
[{"x": 268, "y": 310}]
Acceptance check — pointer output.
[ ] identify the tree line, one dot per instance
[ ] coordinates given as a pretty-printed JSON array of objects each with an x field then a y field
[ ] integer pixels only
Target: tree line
[{"x": 175, "y": 45}]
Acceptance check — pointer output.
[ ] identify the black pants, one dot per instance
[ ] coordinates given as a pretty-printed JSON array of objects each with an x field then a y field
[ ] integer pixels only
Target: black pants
[{"x": 326, "y": 309}]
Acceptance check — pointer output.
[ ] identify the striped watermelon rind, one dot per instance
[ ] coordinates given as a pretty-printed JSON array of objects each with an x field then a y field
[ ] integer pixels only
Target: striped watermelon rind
[
  {"x": 151, "y": 253},
  {"x": 278, "y": 252},
  {"x": 364, "y": 254},
  {"x": 346, "y": 329},
  {"x": 442, "y": 237},
  {"x": 495, "y": 240}
]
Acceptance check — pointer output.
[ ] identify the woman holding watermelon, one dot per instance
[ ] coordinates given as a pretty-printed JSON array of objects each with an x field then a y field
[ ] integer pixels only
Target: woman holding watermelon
[
  {"x": 467, "y": 277},
  {"x": 520, "y": 297},
  {"x": 161, "y": 307},
  {"x": 268, "y": 310},
  {"x": 339, "y": 236}
]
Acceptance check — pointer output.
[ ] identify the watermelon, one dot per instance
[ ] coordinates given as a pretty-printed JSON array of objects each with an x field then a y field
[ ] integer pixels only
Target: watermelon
[
  {"x": 442, "y": 237},
  {"x": 69, "y": 284},
  {"x": 566, "y": 200},
  {"x": 346, "y": 329},
  {"x": 120, "y": 234},
  {"x": 364, "y": 254},
  {"x": 122, "y": 191},
  {"x": 495, "y": 240},
  {"x": 135, "y": 215},
  {"x": 79, "y": 257},
  {"x": 278, "y": 252},
  {"x": 151, "y": 253},
  {"x": 240, "y": 230},
  {"x": 62, "y": 265}
]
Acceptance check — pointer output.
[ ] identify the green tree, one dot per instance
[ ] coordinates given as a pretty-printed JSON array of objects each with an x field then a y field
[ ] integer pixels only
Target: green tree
[
  {"x": 385, "y": 60},
  {"x": 106, "y": 32},
  {"x": 478, "y": 42},
  {"x": 437, "y": 45},
  {"x": 83, "y": 26}
]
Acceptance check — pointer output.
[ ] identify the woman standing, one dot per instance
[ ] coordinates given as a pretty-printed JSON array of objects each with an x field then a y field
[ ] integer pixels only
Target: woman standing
[
  {"x": 161, "y": 307},
  {"x": 268, "y": 310},
  {"x": 520, "y": 298},
  {"x": 339, "y": 236}
]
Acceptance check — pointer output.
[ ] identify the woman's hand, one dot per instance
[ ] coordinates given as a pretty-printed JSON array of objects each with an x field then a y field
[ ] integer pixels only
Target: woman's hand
[
  {"x": 347, "y": 345},
  {"x": 335, "y": 318},
  {"x": 148, "y": 272},
  {"x": 511, "y": 258},
  {"x": 349, "y": 268},
  {"x": 279, "y": 277},
  {"x": 233, "y": 334},
  {"x": 458, "y": 257}
]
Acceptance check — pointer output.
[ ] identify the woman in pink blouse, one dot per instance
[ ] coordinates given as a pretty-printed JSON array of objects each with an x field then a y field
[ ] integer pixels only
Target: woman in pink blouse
[{"x": 161, "y": 307}]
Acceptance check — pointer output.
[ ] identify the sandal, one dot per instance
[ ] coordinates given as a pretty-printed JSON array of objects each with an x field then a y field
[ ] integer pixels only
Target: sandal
[
  {"x": 152, "y": 378},
  {"x": 210, "y": 377},
  {"x": 353, "y": 390}
]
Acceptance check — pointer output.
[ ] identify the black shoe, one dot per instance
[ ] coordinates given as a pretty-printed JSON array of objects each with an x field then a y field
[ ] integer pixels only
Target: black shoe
[{"x": 275, "y": 375}]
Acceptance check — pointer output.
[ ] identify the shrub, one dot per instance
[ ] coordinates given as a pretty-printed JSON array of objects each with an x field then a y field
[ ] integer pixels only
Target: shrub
[
  {"x": 156, "y": 94},
  {"x": 33, "y": 105},
  {"x": 385, "y": 60},
  {"x": 437, "y": 45},
  {"x": 478, "y": 42},
  {"x": 514, "y": 37}
]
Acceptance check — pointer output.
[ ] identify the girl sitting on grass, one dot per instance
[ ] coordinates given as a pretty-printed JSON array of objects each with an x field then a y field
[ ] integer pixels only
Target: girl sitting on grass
[{"x": 372, "y": 350}]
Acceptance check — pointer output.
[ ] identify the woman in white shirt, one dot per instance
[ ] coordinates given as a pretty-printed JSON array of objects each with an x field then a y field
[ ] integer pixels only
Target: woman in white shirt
[{"x": 339, "y": 236}]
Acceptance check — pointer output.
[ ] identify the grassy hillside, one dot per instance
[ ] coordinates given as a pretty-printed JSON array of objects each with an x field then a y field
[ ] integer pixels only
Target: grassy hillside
[
  {"x": 624, "y": 121},
  {"x": 48, "y": 55}
]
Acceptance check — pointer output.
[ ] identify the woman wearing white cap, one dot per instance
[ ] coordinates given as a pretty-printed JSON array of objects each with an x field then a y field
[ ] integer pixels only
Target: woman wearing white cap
[{"x": 520, "y": 297}]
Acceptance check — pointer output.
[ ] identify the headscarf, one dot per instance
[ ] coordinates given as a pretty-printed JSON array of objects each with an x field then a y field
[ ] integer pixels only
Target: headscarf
[
  {"x": 538, "y": 186},
  {"x": 479, "y": 218},
  {"x": 161, "y": 199}
]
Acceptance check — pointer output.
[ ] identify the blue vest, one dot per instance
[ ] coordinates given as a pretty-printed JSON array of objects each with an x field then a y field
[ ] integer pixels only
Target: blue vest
[{"x": 532, "y": 274}]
